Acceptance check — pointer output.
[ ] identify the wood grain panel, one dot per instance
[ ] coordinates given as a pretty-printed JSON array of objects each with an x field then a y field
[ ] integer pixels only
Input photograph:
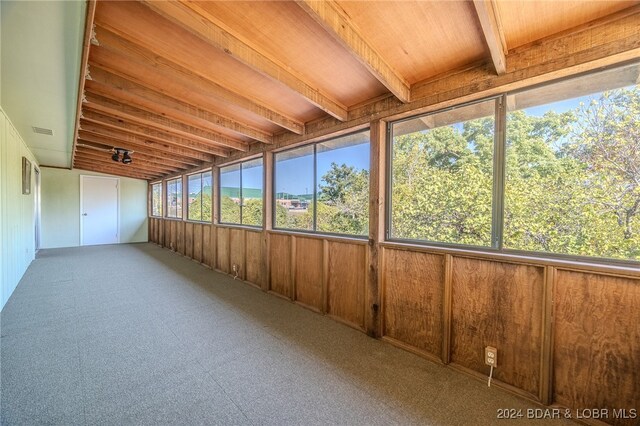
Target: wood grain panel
[
  {"x": 308, "y": 274},
  {"x": 280, "y": 261},
  {"x": 207, "y": 253},
  {"x": 180, "y": 238},
  {"x": 197, "y": 242},
  {"x": 596, "y": 347},
  {"x": 500, "y": 305},
  {"x": 254, "y": 272},
  {"x": 222, "y": 250},
  {"x": 174, "y": 235},
  {"x": 346, "y": 284},
  {"x": 413, "y": 299},
  {"x": 236, "y": 251},
  {"x": 161, "y": 228},
  {"x": 188, "y": 237}
]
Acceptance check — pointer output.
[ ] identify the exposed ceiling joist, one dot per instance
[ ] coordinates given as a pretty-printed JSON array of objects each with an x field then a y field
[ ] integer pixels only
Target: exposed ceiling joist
[
  {"x": 199, "y": 22},
  {"x": 101, "y": 168},
  {"x": 136, "y": 164},
  {"x": 154, "y": 102},
  {"x": 208, "y": 140},
  {"x": 106, "y": 145},
  {"x": 331, "y": 17},
  {"x": 197, "y": 151},
  {"x": 117, "y": 55},
  {"x": 110, "y": 138},
  {"x": 493, "y": 35}
]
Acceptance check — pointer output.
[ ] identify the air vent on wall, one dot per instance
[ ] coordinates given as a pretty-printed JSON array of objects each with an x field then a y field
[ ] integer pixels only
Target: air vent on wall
[{"x": 42, "y": 131}]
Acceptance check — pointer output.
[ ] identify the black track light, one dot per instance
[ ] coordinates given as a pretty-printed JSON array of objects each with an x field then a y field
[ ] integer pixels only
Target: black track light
[
  {"x": 115, "y": 157},
  {"x": 126, "y": 158}
]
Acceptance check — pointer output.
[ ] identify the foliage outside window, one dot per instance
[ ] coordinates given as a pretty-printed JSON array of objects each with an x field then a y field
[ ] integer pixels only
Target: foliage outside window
[
  {"x": 156, "y": 199},
  {"x": 442, "y": 176},
  {"x": 324, "y": 187},
  {"x": 573, "y": 167},
  {"x": 571, "y": 164},
  {"x": 199, "y": 201},
  {"x": 241, "y": 192},
  {"x": 174, "y": 198}
]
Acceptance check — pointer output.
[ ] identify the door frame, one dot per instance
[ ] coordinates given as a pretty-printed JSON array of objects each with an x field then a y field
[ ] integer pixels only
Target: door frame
[{"x": 82, "y": 177}]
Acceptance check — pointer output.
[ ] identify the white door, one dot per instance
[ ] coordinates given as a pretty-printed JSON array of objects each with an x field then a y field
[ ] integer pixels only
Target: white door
[{"x": 99, "y": 204}]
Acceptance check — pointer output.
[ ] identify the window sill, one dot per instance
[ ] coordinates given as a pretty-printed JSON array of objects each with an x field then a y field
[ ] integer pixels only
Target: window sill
[{"x": 622, "y": 268}]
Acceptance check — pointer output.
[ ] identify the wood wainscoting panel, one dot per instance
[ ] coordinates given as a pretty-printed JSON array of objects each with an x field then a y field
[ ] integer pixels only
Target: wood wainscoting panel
[
  {"x": 236, "y": 252},
  {"x": 188, "y": 239},
  {"x": 346, "y": 284},
  {"x": 501, "y": 305},
  {"x": 254, "y": 272},
  {"x": 596, "y": 345},
  {"x": 222, "y": 250},
  {"x": 308, "y": 269},
  {"x": 197, "y": 242},
  {"x": 181, "y": 243},
  {"x": 280, "y": 264},
  {"x": 207, "y": 252},
  {"x": 412, "y": 299},
  {"x": 161, "y": 232},
  {"x": 174, "y": 235}
]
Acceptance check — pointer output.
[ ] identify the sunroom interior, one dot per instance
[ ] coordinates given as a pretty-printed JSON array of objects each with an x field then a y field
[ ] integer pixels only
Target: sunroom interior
[{"x": 324, "y": 212}]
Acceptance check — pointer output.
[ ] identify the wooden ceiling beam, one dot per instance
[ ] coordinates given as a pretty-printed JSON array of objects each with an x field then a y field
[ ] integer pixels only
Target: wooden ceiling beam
[
  {"x": 96, "y": 132},
  {"x": 153, "y": 134},
  {"x": 101, "y": 168},
  {"x": 160, "y": 123},
  {"x": 136, "y": 163},
  {"x": 153, "y": 102},
  {"x": 198, "y": 21},
  {"x": 493, "y": 34},
  {"x": 330, "y": 16},
  {"x": 89, "y": 140},
  {"x": 116, "y": 54}
]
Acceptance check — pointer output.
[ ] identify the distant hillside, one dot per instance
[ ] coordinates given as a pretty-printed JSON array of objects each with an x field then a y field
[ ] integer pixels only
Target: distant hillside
[{"x": 234, "y": 192}]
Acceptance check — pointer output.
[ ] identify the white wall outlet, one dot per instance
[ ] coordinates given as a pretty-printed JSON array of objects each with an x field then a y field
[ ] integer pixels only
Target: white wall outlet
[{"x": 491, "y": 356}]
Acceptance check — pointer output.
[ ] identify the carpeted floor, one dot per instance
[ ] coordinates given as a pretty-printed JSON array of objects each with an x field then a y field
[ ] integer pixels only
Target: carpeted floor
[{"x": 135, "y": 334}]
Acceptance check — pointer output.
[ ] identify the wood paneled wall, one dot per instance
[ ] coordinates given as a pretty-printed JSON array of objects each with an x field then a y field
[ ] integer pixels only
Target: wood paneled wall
[{"x": 567, "y": 334}]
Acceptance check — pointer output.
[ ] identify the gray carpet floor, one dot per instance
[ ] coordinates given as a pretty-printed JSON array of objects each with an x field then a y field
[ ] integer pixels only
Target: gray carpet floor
[{"x": 135, "y": 334}]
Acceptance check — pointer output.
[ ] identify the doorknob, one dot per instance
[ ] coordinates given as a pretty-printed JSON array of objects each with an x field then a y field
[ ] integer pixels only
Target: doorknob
[{"x": 84, "y": 214}]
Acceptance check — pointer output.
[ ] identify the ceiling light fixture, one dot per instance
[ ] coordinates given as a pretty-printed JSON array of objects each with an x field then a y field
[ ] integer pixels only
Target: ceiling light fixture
[{"x": 126, "y": 155}]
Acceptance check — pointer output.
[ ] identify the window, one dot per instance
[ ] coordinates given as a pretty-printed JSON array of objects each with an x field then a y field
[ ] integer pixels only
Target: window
[
  {"x": 324, "y": 187},
  {"x": 241, "y": 192},
  {"x": 442, "y": 176},
  {"x": 569, "y": 153},
  {"x": 174, "y": 198},
  {"x": 156, "y": 199},
  {"x": 199, "y": 204},
  {"x": 573, "y": 167}
]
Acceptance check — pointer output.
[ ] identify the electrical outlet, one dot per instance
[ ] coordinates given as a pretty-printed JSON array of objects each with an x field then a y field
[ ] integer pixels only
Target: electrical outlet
[
  {"x": 234, "y": 268},
  {"x": 491, "y": 356}
]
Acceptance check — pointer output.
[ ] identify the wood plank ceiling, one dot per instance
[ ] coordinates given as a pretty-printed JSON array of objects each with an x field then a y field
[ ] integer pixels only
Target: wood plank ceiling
[{"x": 181, "y": 83}]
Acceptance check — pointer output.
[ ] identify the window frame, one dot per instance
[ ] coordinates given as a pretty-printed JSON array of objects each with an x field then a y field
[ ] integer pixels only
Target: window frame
[
  {"x": 166, "y": 213},
  {"x": 187, "y": 176},
  {"x": 151, "y": 185},
  {"x": 499, "y": 183},
  {"x": 219, "y": 200},
  {"x": 315, "y": 186}
]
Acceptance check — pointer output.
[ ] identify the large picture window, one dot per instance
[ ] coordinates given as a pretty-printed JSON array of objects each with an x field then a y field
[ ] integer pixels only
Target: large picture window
[
  {"x": 241, "y": 193},
  {"x": 156, "y": 199},
  {"x": 199, "y": 205},
  {"x": 324, "y": 187},
  {"x": 442, "y": 176},
  {"x": 552, "y": 169},
  {"x": 174, "y": 198},
  {"x": 573, "y": 167}
]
